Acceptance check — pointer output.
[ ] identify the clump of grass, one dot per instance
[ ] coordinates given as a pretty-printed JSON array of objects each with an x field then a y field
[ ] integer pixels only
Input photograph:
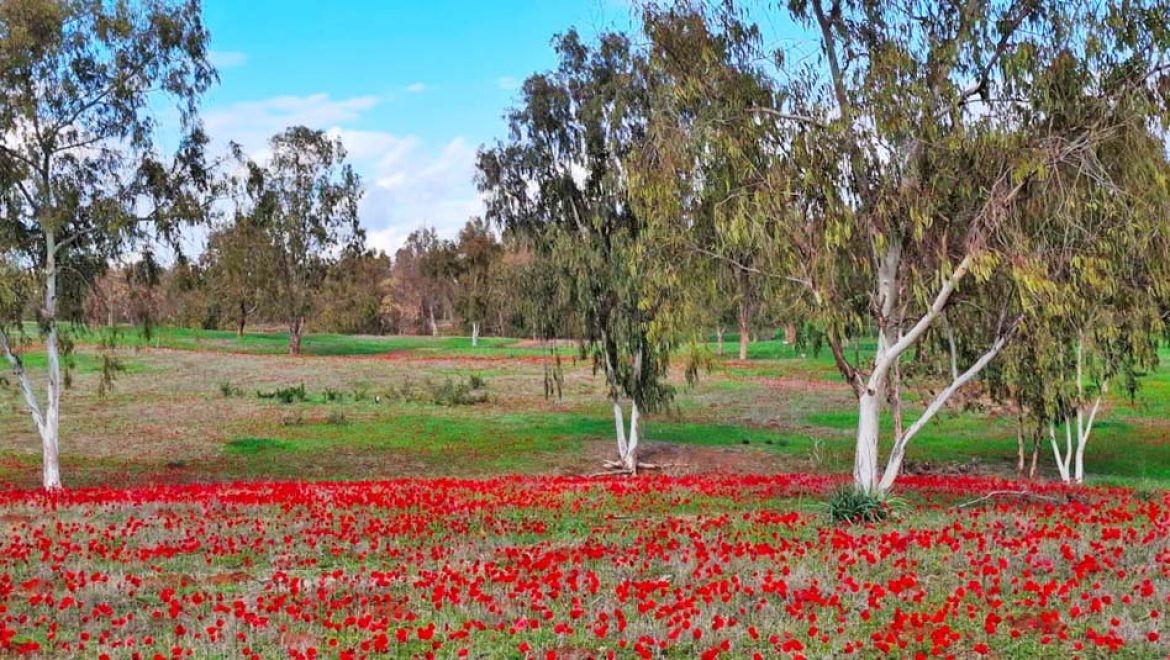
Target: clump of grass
[
  {"x": 255, "y": 445},
  {"x": 458, "y": 392},
  {"x": 333, "y": 396},
  {"x": 447, "y": 392},
  {"x": 286, "y": 394},
  {"x": 228, "y": 390},
  {"x": 851, "y": 506}
]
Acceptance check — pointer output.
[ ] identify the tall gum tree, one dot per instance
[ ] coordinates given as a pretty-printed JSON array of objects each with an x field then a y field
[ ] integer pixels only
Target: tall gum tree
[
  {"x": 561, "y": 180},
  {"x": 696, "y": 177},
  {"x": 943, "y": 120},
  {"x": 1093, "y": 316},
  {"x": 81, "y": 177},
  {"x": 304, "y": 200},
  {"x": 901, "y": 160}
]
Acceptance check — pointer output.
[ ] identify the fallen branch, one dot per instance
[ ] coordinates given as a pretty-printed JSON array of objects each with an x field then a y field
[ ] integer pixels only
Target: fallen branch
[
  {"x": 618, "y": 465},
  {"x": 606, "y": 473},
  {"x": 616, "y": 468},
  {"x": 1014, "y": 493}
]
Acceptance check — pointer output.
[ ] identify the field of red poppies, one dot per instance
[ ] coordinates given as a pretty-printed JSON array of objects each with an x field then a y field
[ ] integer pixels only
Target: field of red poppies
[{"x": 735, "y": 566}]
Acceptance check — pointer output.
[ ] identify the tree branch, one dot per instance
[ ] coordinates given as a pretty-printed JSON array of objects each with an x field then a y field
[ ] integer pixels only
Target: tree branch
[{"x": 30, "y": 398}]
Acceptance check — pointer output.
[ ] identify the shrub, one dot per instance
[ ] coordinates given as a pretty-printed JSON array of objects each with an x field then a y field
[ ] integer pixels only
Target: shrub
[
  {"x": 851, "y": 506},
  {"x": 286, "y": 394},
  {"x": 456, "y": 393},
  {"x": 447, "y": 392},
  {"x": 332, "y": 395},
  {"x": 228, "y": 390}
]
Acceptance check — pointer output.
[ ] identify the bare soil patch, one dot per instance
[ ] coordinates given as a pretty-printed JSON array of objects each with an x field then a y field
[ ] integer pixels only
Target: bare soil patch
[{"x": 679, "y": 459}]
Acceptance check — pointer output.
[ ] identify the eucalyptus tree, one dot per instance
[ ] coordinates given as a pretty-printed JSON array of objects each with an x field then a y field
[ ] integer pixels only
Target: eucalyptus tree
[
  {"x": 561, "y": 179},
  {"x": 937, "y": 124},
  {"x": 82, "y": 178},
  {"x": 900, "y": 162},
  {"x": 238, "y": 266},
  {"x": 697, "y": 175},
  {"x": 479, "y": 253},
  {"x": 1093, "y": 314},
  {"x": 304, "y": 199}
]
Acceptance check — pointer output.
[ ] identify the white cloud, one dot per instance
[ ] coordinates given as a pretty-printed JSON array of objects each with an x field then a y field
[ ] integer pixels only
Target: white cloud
[
  {"x": 251, "y": 123},
  {"x": 508, "y": 83},
  {"x": 417, "y": 88},
  {"x": 408, "y": 182},
  {"x": 226, "y": 59},
  {"x": 414, "y": 187}
]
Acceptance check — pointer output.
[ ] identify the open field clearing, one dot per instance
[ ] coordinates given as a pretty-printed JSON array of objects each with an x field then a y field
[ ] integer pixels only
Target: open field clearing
[
  {"x": 375, "y": 408},
  {"x": 249, "y": 536}
]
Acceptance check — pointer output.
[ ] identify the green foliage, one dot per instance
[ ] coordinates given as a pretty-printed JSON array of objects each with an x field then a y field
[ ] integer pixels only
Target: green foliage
[
  {"x": 228, "y": 390},
  {"x": 285, "y": 395},
  {"x": 848, "y": 505},
  {"x": 304, "y": 202},
  {"x": 446, "y": 392},
  {"x": 586, "y": 116}
]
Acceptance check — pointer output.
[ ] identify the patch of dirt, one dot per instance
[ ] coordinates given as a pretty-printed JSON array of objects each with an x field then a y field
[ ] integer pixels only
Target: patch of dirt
[
  {"x": 679, "y": 459},
  {"x": 788, "y": 384},
  {"x": 412, "y": 355},
  {"x": 931, "y": 468},
  {"x": 536, "y": 343}
]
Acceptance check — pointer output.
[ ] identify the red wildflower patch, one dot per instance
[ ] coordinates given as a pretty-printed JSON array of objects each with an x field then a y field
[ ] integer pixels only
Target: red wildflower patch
[{"x": 701, "y": 566}]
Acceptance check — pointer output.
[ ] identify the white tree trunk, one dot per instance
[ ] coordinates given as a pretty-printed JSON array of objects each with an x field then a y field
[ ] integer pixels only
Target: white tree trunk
[
  {"x": 1084, "y": 431},
  {"x": 1062, "y": 457},
  {"x": 619, "y": 423},
  {"x": 475, "y": 333},
  {"x": 627, "y": 445},
  {"x": 865, "y": 459},
  {"x": 48, "y": 419},
  {"x": 898, "y": 453},
  {"x": 49, "y": 434},
  {"x": 631, "y": 455},
  {"x": 51, "y": 475}
]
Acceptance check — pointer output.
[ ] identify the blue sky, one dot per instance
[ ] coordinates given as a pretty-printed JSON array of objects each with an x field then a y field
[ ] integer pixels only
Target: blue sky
[{"x": 412, "y": 87}]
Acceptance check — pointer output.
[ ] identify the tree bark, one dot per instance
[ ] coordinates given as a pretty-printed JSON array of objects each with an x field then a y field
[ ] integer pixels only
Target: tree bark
[
  {"x": 897, "y": 454},
  {"x": 790, "y": 334},
  {"x": 631, "y": 457},
  {"x": 865, "y": 459},
  {"x": 1020, "y": 444},
  {"x": 243, "y": 320},
  {"x": 51, "y": 472},
  {"x": 719, "y": 340},
  {"x": 431, "y": 318},
  {"x": 475, "y": 333},
  {"x": 620, "y": 428},
  {"x": 294, "y": 336},
  {"x": 744, "y": 327}
]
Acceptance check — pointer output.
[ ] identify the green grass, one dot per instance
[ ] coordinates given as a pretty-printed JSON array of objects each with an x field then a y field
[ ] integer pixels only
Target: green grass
[
  {"x": 80, "y": 362},
  {"x": 783, "y": 406}
]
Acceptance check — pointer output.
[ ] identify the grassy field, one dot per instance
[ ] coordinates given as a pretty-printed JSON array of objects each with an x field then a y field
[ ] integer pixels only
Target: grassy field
[
  {"x": 418, "y": 497},
  {"x": 202, "y": 406}
]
